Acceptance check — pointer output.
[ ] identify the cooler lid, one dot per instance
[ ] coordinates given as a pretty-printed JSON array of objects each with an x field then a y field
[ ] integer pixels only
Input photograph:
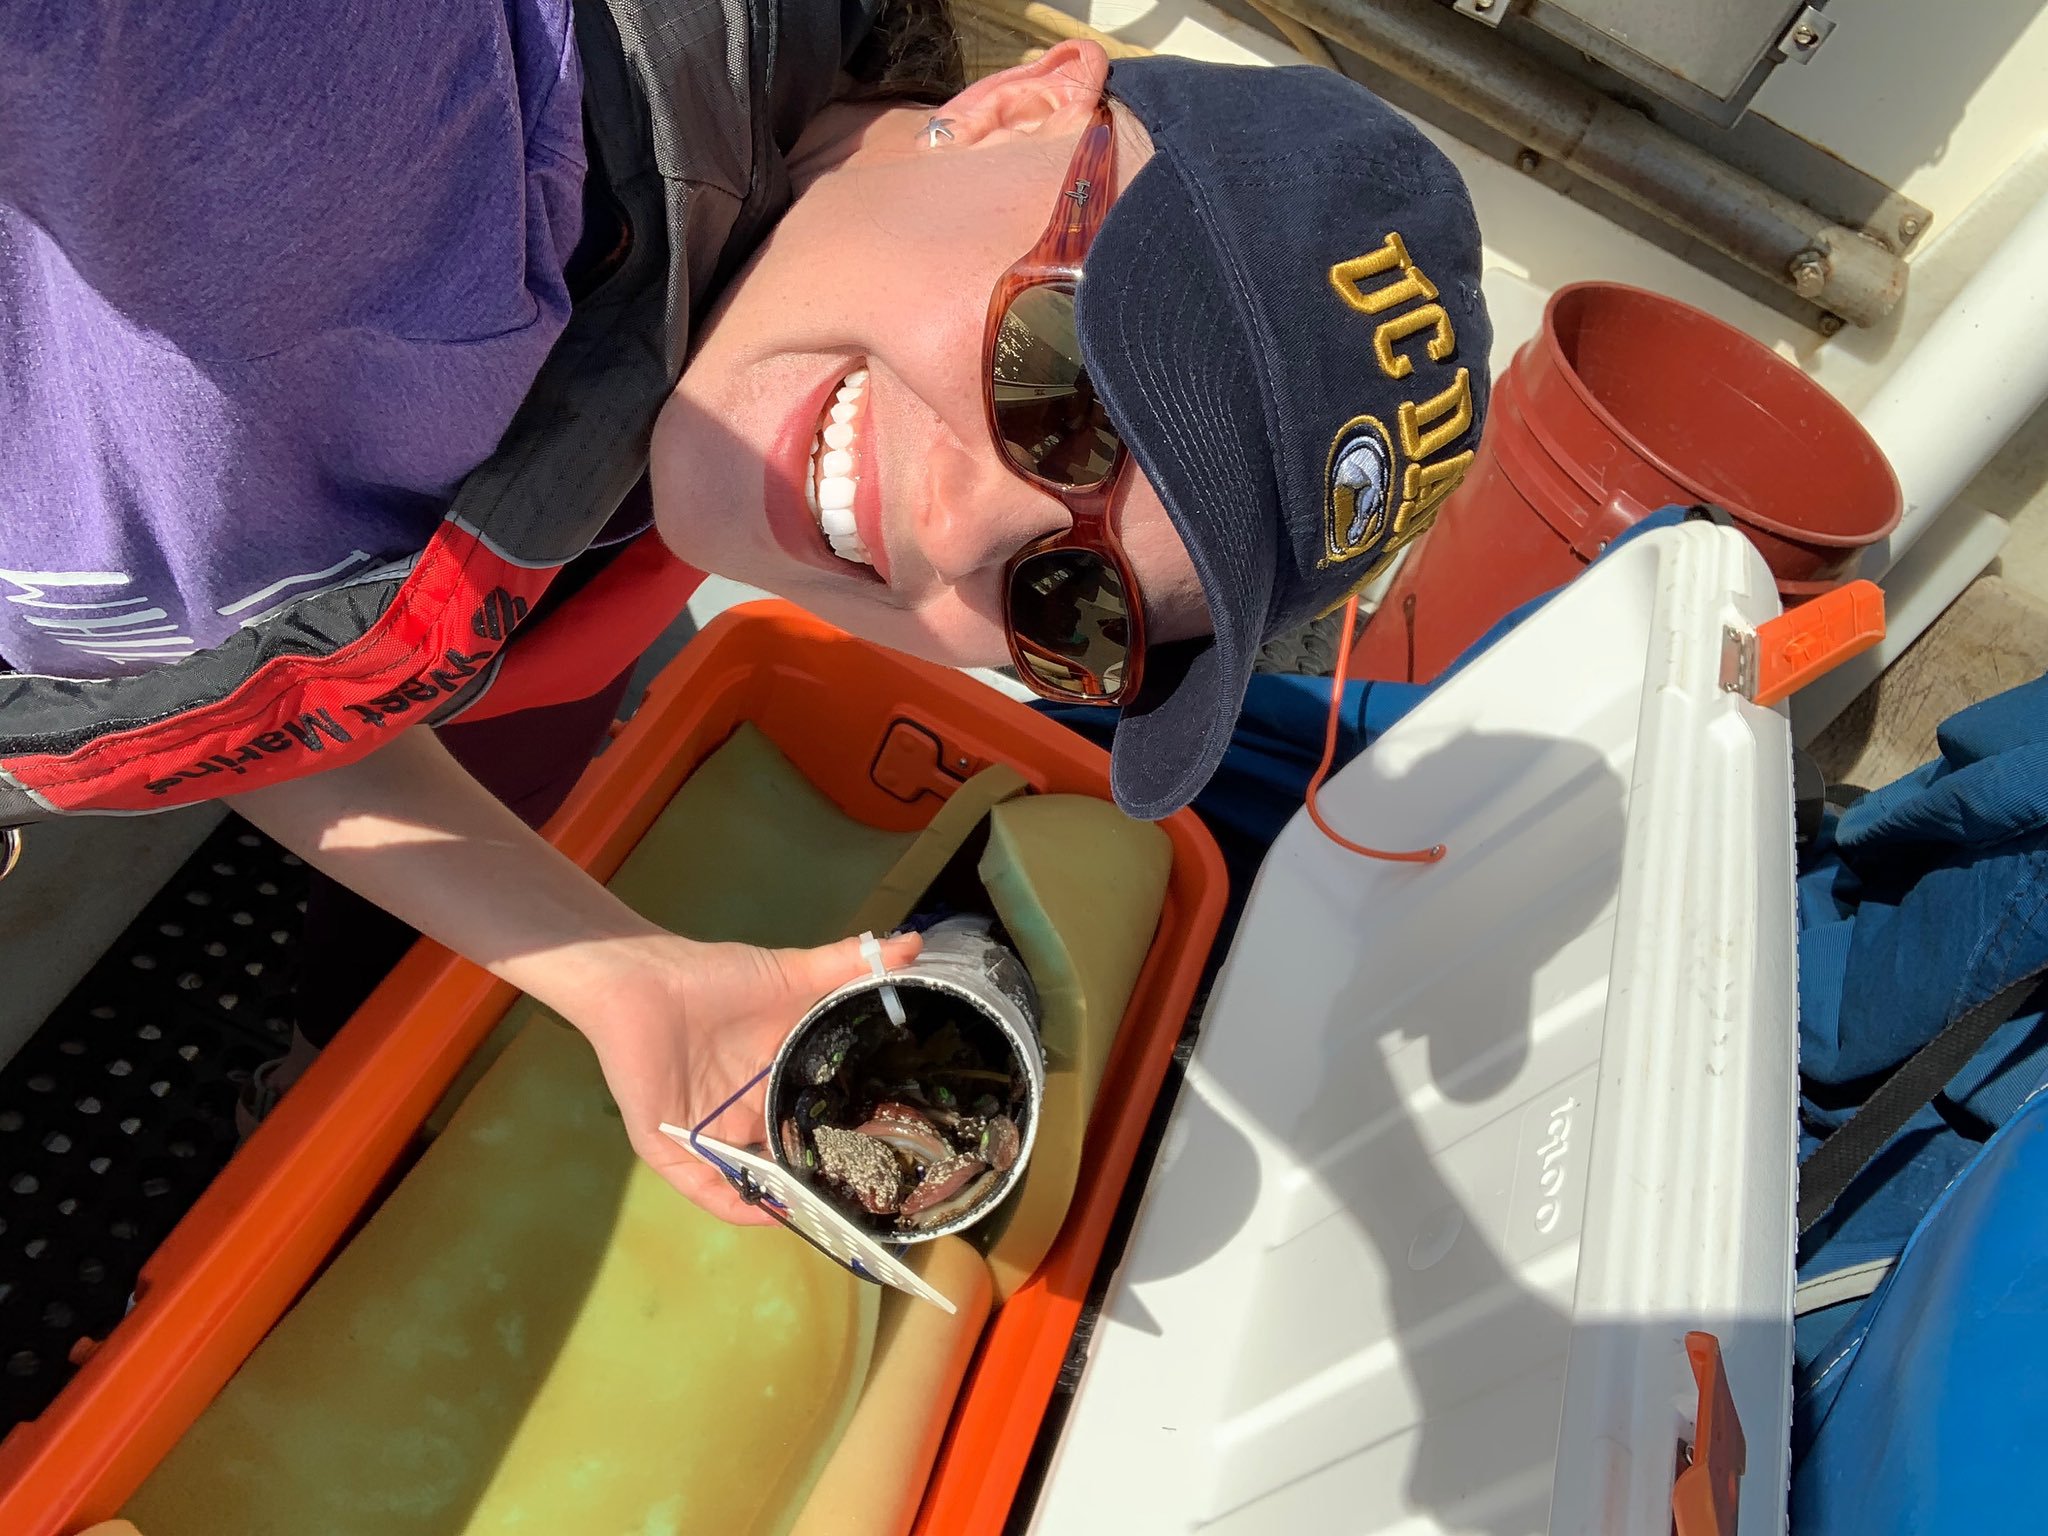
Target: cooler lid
[{"x": 1466, "y": 1151}]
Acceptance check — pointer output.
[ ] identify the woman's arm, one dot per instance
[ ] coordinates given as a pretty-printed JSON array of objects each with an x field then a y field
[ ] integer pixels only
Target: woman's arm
[
  {"x": 410, "y": 830},
  {"x": 677, "y": 1025}
]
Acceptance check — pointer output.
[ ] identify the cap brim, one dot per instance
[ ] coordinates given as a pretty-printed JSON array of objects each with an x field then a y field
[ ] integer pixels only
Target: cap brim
[{"x": 1166, "y": 346}]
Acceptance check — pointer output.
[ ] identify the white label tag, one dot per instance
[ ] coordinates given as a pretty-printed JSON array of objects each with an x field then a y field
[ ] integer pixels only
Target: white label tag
[{"x": 814, "y": 1216}]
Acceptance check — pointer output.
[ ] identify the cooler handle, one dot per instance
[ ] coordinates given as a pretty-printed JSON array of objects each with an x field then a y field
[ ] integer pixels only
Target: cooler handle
[
  {"x": 1707, "y": 1496},
  {"x": 1779, "y": 657}
]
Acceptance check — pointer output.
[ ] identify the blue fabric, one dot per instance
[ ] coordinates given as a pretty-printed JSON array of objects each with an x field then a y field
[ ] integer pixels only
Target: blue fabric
[
  {"x": 1920, "y": 901},
  {"x": 1926, "y": 1421}
]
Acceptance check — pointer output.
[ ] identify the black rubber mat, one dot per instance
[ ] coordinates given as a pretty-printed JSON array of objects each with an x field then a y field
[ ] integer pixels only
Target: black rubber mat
[{"x": 120, "y": 1109}]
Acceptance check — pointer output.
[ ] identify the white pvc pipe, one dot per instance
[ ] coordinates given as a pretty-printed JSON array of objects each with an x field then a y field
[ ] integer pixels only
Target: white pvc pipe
[
  {"x": 1942, "y": 414},
  {"x": 1918, "y": 591},
  {"x": 1979, "y": 372}
]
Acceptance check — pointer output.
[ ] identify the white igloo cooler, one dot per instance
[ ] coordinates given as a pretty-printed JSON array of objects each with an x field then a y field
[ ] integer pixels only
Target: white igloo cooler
[{"x": 1466, "y": 1151}]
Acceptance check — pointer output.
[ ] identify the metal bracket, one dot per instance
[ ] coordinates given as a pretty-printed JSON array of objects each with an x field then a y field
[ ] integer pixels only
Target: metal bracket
[
  {"x": 1802, "y": 40},
  {"x": 1738, "y": 661},
  {"x": 1490, "y": 12}
]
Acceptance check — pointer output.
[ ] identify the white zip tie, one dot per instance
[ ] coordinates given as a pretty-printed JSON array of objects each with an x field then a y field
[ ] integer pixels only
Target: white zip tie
[{"x": 871, "y": 951}]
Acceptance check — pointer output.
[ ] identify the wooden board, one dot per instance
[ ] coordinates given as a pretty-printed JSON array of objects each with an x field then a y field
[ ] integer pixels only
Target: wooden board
[{"x": 1993, "y": 637}]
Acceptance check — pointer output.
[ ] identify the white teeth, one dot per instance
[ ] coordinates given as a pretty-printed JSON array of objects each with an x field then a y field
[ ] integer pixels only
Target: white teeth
[{"x": 833, "y": 481}]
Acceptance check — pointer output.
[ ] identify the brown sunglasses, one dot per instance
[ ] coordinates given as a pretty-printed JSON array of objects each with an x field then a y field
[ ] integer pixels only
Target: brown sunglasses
[{"x": 1071, "y": 606}]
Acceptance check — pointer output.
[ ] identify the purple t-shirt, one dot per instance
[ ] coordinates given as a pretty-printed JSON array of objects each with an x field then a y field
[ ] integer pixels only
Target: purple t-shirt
[{"x": 273, "y": 279}]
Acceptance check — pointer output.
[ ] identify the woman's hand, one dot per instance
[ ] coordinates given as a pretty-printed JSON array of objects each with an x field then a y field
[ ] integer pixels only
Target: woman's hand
[{"x": 681, "y": 1025}]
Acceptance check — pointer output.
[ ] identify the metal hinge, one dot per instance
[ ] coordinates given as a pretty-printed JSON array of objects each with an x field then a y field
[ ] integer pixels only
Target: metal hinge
[{"x": 1738, "y": 661}]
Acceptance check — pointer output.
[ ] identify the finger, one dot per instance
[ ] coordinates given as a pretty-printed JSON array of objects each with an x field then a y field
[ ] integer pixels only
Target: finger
[
  {"x": 899, "y": 951},
  {"x": 820, "y": 970}
]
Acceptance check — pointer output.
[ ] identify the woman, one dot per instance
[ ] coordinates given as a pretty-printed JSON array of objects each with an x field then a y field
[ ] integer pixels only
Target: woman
[{"x": 325, "y": 343}]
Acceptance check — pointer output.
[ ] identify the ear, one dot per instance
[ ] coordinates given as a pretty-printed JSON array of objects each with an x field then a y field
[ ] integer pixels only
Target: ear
[{"x": 1054, "y": 92}]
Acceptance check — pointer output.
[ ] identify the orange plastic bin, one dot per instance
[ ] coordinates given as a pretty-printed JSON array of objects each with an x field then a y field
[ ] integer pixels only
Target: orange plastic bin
[{"x": 884, "y": 736}]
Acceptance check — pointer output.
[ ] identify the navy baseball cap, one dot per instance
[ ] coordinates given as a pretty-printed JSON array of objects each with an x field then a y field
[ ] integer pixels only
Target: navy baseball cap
[{"x": 1282, "y": 314}]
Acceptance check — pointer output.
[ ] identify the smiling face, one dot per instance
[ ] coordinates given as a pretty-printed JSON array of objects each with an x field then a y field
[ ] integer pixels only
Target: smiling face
[{"x": 827, "y": 441}]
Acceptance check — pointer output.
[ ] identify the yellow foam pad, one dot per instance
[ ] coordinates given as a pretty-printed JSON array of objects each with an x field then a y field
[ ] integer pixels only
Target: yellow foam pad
[
  {"x": 876, "y": 1478},
  {"x": 750, "y": 851},
  {"x": 532, "y": 1334},
  {"x": 1080, "y": 886}
]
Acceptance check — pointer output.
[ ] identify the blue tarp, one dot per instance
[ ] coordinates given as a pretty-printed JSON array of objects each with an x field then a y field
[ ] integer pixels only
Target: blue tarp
[
  {"x": 1920, "y": 901},
  {"x": 1924, "y": 1421}
]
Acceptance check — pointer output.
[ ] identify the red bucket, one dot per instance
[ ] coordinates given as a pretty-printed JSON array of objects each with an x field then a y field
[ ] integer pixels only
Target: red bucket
[{"x": 1626, "y": 401}]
